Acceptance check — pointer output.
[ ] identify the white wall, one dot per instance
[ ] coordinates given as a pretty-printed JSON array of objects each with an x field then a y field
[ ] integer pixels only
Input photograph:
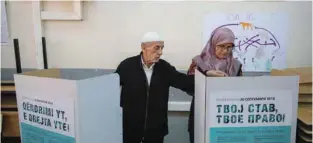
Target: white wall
[
  {"x": 111, "y": 31},
  {"x": 20, "y": 26}
]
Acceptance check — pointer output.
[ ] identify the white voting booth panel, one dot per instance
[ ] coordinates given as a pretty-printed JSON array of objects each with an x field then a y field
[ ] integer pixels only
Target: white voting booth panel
[
  {"x": 59, "y": 106},
  {"x": 246, "y": 109}
]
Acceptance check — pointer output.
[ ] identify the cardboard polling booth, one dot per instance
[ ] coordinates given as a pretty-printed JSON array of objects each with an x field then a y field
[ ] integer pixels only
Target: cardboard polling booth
[
  {"x": 305, "y": 100},
  {"x": 245, "y": 109},
  {"x": 305, "y": 82},
  {"x": 65, "y": 106}
]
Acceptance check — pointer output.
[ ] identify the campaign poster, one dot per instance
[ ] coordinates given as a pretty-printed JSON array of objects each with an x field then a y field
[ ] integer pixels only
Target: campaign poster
[
  {"x": 261, "y": 38},
  {"x": 46, "y": 119},
  {"x": 249, "y": 116}
]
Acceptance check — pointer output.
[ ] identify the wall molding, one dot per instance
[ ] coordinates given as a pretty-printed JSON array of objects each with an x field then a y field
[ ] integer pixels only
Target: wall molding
[
  {"x": 39, "y": 15},
  {"x": 75, "y": 15},
  {"x": 38, "y": 33}
]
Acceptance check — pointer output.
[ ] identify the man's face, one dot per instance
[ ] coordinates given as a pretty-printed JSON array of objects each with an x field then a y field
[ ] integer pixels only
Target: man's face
[{"x": 152, "y": 51}]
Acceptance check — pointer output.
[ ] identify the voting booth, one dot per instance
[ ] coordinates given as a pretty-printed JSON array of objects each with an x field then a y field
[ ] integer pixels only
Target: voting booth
[
  {"x": 246, "y": 109},
  {"x": 64, "y": 106}
]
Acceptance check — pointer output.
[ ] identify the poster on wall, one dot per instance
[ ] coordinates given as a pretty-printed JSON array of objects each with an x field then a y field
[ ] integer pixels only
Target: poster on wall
[
  {"x": 4, "y": 24},
  {"x": 261, "y": 38},
  {"x": 250, "y": 116},
  {"x": 46, "y": 120}
]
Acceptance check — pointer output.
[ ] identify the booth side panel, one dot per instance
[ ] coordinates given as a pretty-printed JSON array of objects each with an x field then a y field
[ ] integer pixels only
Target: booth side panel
[
  {"x": 294, "y": 84},
  {"x": 100, "y": 114},
  {"x": 199, "y": 117},
  {"x": 45, "y": 108}
]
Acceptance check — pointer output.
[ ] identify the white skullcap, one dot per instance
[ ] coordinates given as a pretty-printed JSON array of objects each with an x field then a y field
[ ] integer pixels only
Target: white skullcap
[{"x": 150, "y": 37}]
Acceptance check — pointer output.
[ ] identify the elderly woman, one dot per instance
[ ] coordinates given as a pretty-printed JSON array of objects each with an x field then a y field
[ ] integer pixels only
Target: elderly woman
[{"x": 215, "y": 60}]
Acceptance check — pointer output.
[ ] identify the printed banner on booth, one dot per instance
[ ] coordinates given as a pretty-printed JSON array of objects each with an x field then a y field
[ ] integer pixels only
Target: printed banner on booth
[
  {"x": 47, "y": 120},
  {"x": 249, "y": 116}
]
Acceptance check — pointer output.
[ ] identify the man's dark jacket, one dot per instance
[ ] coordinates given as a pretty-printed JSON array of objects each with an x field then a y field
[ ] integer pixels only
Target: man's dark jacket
[{"x": 145, "y": 107}]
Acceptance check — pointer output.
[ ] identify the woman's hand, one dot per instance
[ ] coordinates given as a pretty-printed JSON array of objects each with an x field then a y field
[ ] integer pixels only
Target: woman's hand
[{"x": 216, "y": 73}]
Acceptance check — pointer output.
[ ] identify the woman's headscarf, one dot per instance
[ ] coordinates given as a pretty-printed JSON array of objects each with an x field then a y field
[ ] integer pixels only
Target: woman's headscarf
[{"x": 208, "y": 61}]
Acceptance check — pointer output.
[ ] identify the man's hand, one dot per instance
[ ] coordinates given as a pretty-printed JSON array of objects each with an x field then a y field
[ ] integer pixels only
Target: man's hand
[{"x": 216, "y": 73}]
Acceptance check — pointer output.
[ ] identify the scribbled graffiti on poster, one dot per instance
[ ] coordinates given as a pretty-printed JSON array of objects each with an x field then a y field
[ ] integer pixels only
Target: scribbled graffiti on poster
[{"x": 261, "y": 39}]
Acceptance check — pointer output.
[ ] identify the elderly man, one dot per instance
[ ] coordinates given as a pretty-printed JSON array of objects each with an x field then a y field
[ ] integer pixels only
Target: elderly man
[{"x": 145, "y": 81}]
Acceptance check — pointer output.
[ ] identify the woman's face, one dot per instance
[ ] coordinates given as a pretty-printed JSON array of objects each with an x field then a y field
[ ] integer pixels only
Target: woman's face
[{"x": 223, "y": 50}]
